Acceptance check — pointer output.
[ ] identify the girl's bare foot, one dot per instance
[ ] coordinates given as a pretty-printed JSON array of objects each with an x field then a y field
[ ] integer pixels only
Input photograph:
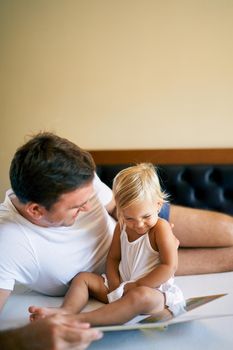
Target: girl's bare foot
[{"x": 38, "y": 312}]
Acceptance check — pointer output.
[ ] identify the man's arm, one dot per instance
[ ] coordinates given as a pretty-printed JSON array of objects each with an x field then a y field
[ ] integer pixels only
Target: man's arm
[
  {"x": 111, "y": 209},
  {"x": 4, "y": 294},
  {"x": 105, "y": 195}
]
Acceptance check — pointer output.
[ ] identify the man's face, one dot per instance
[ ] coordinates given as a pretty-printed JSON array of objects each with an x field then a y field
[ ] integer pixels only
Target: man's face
[{"x": 65, "y": 211}]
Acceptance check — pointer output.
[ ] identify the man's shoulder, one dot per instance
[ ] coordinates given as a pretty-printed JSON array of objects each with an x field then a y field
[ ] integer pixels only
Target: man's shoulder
[
  {"x": 5, "y": 207},
  {"x": 9, "y": 226},
  {"x": 8, "y": 215},
  {"x": 7, "y": 219}
]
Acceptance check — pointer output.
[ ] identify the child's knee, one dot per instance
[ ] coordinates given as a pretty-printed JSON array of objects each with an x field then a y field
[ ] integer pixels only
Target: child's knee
[
  {"x": 144, "y": 296},
  {"x": 83, "y": 276}
]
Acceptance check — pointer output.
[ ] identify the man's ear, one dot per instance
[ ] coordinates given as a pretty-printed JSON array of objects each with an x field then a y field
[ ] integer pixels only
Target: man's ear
[{"x": 34, "y": 210}]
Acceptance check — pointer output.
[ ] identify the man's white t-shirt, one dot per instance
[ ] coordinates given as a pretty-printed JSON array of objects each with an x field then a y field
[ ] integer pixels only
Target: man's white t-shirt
[{"x": 46, "y": 259}]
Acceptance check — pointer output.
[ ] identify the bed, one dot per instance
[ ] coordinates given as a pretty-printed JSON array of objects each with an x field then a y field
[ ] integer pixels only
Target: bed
[{"x": 201, "y": 178}]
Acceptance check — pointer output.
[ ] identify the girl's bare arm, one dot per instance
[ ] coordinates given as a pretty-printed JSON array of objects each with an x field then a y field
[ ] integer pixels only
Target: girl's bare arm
[{"x": 113, "y": 260}]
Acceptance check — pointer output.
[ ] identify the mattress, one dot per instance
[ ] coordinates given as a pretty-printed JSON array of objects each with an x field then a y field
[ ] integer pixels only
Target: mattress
[{"x": 213, "y": 329}]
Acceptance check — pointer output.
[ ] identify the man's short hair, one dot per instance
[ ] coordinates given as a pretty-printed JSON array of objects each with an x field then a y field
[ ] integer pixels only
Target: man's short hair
[{"x": 48, "y": 166}]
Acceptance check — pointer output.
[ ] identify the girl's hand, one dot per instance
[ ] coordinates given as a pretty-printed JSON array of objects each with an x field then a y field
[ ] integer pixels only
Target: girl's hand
[
  {"x": 113, "y": 284},
  {"x": 129, "y": 286}
]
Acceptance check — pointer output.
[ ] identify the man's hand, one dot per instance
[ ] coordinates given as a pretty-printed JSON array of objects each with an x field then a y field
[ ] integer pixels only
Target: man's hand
[{"x": 59, "y": 332}]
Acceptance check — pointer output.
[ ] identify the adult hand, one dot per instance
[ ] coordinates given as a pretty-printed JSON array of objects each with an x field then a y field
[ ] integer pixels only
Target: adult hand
[{"x": 58, "y": 332}]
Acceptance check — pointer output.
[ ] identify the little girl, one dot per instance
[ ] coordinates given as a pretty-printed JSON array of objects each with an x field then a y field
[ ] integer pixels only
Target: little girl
[{"x": 141, "y": 261}]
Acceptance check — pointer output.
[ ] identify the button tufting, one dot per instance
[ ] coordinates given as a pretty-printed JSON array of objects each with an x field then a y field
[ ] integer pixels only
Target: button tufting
[{"x": 198, "y": 186}]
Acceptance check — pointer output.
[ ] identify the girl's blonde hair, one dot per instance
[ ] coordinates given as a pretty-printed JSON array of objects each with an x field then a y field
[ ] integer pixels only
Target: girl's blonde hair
[{"x": 135, "y": 184}]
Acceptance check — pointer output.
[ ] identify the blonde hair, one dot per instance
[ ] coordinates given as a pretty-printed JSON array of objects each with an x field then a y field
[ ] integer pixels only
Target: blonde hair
[{"x": 135, "y": 184}]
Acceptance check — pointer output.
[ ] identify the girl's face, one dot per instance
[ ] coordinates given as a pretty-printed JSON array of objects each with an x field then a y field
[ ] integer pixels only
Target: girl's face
[{"x": 141, "y": 216}]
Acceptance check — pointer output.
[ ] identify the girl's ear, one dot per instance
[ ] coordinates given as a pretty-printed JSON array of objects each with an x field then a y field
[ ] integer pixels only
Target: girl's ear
[
  {"x": 159, "y": 206},
  {"x": 34, "y": 210}
]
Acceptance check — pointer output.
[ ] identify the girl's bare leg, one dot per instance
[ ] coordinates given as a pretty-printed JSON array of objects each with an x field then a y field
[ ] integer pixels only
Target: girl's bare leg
[
  {"x": 207, "y": 237},
  {"x": 140, "y": 300},
  {"x": 83, "y": 285}
]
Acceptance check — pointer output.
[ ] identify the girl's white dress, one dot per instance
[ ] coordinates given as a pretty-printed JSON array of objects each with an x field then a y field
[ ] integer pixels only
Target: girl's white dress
[{"x": 138, "y": 259}]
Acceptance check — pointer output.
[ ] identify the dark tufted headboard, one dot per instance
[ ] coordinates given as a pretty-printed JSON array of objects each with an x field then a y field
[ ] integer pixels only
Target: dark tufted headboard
[{"x": 200, "y": 178}]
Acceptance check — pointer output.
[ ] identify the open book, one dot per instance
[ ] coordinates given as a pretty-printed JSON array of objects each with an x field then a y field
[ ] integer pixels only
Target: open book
[{"x": 162, "y": 320}]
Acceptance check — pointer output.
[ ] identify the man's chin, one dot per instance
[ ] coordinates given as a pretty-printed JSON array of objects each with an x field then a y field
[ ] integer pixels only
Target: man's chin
[
  {"x": 70, "y": 222},
  {"x": 61, "y": 223}
]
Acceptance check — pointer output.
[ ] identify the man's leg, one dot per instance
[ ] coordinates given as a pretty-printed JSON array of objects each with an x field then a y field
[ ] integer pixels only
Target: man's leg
[
  {"x": 201, "y": 228},
  {"x": 193, "y": 261},
  {"x": 208, "y": 230}
]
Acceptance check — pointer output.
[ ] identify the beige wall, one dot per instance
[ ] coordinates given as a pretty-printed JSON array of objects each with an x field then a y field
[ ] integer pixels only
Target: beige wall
[{"x": 116, "y": 74}]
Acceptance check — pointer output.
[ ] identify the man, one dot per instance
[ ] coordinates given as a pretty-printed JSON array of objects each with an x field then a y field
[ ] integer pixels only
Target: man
[
  {"x": 53, "y": 333},
  {"x": 55, "y": 222}
]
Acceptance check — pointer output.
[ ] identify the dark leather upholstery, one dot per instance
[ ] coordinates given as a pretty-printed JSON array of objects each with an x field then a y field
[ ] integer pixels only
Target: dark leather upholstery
[{"x": 197, "y": 186}]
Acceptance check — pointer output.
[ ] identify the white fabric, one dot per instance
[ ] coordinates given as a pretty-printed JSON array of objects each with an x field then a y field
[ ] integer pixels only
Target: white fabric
[
  {"x": 46, "y": 259},
  {"x": 138, "y": 259},
  {"x": 116, "y": 293}
]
